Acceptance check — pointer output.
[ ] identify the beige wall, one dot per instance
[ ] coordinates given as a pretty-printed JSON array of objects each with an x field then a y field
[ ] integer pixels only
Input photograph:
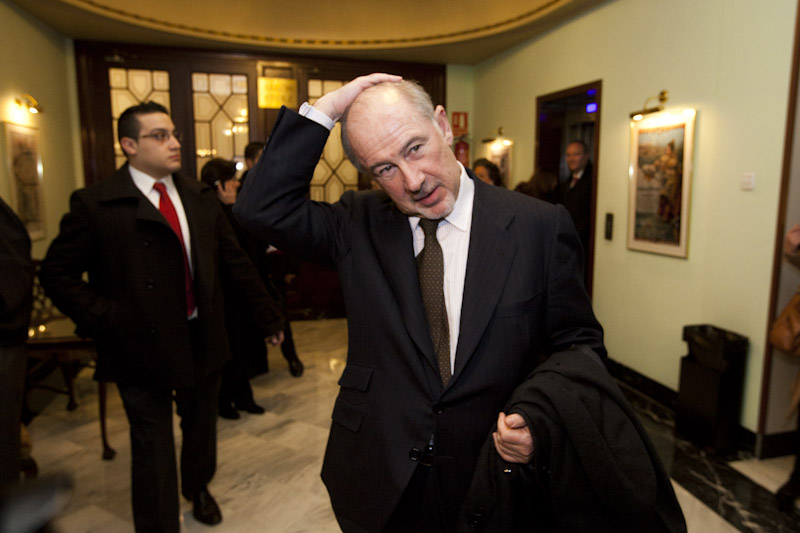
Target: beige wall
[
  {"x": 38, "y": 61},
  {"x": 731, "y": 61}
]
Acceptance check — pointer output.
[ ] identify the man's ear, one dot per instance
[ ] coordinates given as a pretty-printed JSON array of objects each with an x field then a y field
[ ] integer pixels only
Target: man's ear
[
  {"x": 440, "y": 116},
  {"x": 128, "y": 146}
]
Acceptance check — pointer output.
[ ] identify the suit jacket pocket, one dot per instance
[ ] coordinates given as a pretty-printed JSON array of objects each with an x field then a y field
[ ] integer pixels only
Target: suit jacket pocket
[
  {"x": 350, "y": 408},
  {"x": 356, "y": 377},
  {"x": 348, "y": 414}
]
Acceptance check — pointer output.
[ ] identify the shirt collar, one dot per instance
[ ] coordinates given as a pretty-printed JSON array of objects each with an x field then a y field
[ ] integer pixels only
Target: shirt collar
[
  {"x": 145, "y": 182},
  {"x": 461, "y": 215}
]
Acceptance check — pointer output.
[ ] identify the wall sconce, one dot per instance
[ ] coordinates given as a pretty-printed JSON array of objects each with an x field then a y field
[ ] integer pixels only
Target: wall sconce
[
  {"x": 662, "y": 98},
  {"x": 499, "y": 139},
  {"x": 28, "y": 102}
]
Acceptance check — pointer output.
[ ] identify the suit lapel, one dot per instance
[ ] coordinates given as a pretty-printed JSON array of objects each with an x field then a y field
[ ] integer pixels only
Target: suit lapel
[
  {"x": 491, "y": 253},
  {"x": 393, "y": 242}
]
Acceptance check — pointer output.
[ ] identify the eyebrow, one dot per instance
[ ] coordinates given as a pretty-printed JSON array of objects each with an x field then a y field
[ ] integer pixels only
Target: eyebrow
[{"x": 411, "y": 142}]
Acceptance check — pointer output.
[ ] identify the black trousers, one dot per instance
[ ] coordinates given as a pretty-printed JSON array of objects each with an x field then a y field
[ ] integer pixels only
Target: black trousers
[{"x": 154, "y": 478}]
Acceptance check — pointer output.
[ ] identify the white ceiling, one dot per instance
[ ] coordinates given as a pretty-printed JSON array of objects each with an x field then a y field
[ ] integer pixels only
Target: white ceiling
[{"x": 431, "y": 31}]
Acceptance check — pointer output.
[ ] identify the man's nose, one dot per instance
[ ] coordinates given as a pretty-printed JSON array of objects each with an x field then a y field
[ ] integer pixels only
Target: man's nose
[{"x": 414, "y": 178}]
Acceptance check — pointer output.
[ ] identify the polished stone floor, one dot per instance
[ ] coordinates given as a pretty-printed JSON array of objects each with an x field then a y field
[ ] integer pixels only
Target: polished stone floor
[{"x": 268, "y": 465}]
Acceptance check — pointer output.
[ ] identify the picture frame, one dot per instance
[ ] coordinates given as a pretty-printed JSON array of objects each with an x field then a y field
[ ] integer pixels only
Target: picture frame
[
  {"x": 660, "y": 177},
  {"x": 24, "y": 163}
]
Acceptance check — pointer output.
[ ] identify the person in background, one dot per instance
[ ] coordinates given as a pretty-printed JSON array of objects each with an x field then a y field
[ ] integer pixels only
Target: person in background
[
  {"x": 248, "y": 350},
  {"x": 542, "y": 185},
  {"x": 455, "y": 292},
  {"x": 279, "y": 271},
  {"x": 487, "y": 172},
  {"x": 16, "y": 304},
  {"x": 251, "y": 154},
  {"x": 576, "y": 191},
  {"x": 790, "y": 491},
  {"x": 138, "y": 266}
]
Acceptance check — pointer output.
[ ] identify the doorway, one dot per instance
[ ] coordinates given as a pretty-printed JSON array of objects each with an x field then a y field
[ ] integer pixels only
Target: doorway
[{"x": 564, "y": 116}]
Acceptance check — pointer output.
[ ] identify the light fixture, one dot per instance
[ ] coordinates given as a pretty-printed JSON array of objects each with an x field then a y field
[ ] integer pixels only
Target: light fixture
[
  {"x": 499, "y": 136},
  {"x": 662, "y": 98},
  {"x": 28, "y": 102}
]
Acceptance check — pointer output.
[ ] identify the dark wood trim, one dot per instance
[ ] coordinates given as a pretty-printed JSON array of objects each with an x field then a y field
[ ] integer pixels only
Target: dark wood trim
[
  {"x": 94, "y": 58},
  {"x": 791, "y": 117}
]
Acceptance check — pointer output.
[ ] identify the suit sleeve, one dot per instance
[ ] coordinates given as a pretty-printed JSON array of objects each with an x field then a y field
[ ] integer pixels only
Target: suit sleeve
[
  {"x": 274, "y": 201},
  {"x": 570, "y": 319},
  {"x": 241, "y": 275},
  {"x": 62, "y": 271}
]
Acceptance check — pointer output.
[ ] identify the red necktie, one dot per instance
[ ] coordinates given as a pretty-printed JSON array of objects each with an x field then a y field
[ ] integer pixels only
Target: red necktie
[{"x": 168, "y": 210}]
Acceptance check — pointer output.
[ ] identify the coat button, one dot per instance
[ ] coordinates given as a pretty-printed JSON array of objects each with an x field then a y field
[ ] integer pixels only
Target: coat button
[
  {"x": 438, "y": 408},
  {"x": 150, "y": 284},
  {"x": 415, "y": 454},
  {"x": 146, "y": 244}
]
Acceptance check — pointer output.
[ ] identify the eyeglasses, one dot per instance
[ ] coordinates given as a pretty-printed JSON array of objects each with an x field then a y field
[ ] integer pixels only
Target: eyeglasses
[{"x": 163, "y": 135}]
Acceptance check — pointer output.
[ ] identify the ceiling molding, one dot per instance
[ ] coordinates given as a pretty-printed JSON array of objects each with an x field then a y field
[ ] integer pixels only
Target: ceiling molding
[{"x": 479, "y": 30}]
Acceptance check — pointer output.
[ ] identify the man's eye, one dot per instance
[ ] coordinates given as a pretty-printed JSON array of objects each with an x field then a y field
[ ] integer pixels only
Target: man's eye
[{"x": 383, "y": 171}]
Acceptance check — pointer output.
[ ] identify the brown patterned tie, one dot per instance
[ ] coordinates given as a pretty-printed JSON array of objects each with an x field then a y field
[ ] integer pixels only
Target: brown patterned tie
[{"x": 430, "y": 265}]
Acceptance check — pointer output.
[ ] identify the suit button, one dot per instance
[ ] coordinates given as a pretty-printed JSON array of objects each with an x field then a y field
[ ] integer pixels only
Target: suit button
[
  {"x": 415, "y": 454},
  {"x": 146, "y": 244},
  {"x": 438, "y": 409},
  {"x": 150, "y": 284},
  {"x": 152, "y": 331}
]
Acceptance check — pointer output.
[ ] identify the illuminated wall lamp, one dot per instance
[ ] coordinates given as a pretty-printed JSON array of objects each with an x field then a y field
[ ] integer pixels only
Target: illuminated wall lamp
[
  {"x": 662, "y": 97},
  {"x": 28, "y": 102},
  {"x": 499, "y": 140}
]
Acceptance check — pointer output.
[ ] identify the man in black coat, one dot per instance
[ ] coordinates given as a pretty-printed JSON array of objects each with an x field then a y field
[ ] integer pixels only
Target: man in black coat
[
  {"x": 576, "y": 191},
  {"x": 408, "y": 426},
  {"x": 16, "y": 302},
  {"x": 156, "y": 246}
]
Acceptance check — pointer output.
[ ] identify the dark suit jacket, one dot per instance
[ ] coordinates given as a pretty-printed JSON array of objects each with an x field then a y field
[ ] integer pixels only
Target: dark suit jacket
[
  {"x": 594, "y": 466},
  {"x": 134, "y": 303},
  {"x": 523, "y": 298},
  {"x": 578, "y": 202}
]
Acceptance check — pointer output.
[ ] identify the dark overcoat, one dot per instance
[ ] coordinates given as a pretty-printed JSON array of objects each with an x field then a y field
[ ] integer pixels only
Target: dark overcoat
[{"x": 133, "y": 302}]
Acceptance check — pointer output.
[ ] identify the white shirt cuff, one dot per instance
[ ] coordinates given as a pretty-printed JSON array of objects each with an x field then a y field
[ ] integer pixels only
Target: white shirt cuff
[{"x": 312, "y": 113}]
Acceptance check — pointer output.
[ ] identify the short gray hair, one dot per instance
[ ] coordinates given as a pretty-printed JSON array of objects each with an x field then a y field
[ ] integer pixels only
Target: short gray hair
[{"x": 413, "y": 93}]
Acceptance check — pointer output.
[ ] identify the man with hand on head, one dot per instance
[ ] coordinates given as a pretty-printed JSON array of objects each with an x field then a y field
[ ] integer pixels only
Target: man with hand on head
[
  {"x": 455, "y": 290},
  {"x": 155, "y": 246}
]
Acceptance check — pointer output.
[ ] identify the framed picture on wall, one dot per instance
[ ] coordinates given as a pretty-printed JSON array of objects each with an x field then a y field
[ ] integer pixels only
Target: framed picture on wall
[
  {"x": 660, "y": 176},
  {"x": 25, "y": 171}
]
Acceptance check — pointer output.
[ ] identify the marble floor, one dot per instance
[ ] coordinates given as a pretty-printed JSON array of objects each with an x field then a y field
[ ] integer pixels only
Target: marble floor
[{"x": 268, "y": 465}]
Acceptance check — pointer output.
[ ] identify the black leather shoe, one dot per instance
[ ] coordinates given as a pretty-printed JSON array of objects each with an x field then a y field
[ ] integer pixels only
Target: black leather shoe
[
  {"x": 227, "y": 411},
  {"x": 296, "y": 367},
  {"x": 205, "y": 509},
  {"x": 251, "y": 407}
]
